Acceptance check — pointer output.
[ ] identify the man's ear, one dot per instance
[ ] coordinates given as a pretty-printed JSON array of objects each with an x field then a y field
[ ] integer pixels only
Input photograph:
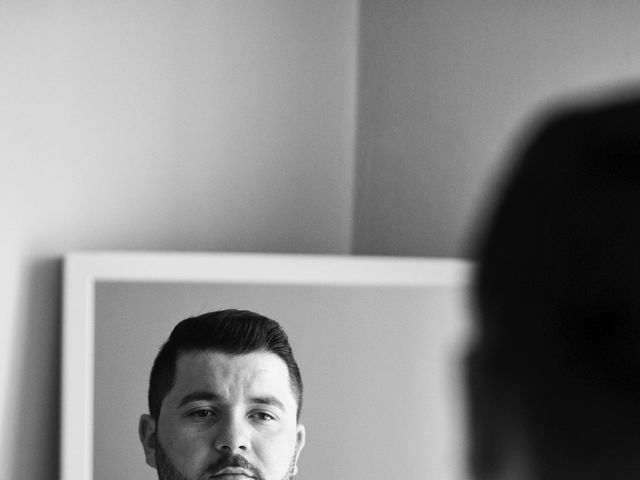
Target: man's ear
[
  {"x": 149, "y": 438},
  {"x": 300, "y": 440}
]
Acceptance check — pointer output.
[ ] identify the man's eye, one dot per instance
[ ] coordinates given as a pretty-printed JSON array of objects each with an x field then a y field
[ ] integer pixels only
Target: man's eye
[
  {"x": 201, "y": 413},
  {"x": 263, "y": 416}
]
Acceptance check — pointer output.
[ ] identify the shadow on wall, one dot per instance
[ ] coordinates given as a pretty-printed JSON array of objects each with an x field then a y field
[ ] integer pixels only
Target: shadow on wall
[{"x": 37, "y": 392}]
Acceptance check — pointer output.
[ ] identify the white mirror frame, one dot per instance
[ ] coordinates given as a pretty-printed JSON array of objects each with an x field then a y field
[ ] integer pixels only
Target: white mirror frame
[{"x": 82, "y": 270}]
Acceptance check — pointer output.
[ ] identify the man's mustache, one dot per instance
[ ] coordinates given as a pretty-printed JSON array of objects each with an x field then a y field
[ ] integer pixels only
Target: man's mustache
[{"x": 235, "y": 461}]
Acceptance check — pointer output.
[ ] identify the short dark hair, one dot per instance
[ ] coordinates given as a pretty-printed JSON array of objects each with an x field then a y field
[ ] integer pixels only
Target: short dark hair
[{"x": 228, "y": 331}]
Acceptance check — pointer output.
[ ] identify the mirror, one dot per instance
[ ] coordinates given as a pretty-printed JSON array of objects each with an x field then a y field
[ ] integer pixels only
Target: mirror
[{"x": 379, "y": 342}]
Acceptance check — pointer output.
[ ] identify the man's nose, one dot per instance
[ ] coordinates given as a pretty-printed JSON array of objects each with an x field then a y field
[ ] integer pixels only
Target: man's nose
[{"x": 232, "y": 436}]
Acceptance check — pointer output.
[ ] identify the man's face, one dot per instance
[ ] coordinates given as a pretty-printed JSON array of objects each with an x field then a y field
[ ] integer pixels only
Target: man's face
[{"x": 227, "y": 417}]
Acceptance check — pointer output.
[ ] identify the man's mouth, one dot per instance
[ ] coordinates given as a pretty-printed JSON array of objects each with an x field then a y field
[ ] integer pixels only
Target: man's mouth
[{"x": 232, "y": 472}]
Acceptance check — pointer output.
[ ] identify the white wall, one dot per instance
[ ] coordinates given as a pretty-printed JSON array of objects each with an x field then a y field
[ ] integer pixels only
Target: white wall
[
  {"x": 445, "y": 85},
  {"x": 157, "y": 124}
]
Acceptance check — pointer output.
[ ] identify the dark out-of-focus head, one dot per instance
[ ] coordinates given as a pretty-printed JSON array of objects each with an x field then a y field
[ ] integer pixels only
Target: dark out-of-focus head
[
  {"x": 226, "y": 331},
  {"x": 555, "y": 374}
]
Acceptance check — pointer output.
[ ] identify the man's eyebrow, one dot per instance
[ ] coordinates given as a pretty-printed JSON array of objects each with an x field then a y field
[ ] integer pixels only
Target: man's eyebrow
[
  {"x": 205, "y": 395},
  {"x": 267, "y": 400},
  {"x": 199, "y": 396}
]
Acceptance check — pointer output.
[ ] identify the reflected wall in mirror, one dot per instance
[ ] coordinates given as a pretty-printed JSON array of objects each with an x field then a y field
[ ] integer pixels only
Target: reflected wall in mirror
[{"x": 379, "y": 342}]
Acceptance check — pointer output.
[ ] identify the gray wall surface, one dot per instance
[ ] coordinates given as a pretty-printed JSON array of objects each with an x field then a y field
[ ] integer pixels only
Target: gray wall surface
[{"x": 446, "y": 85}]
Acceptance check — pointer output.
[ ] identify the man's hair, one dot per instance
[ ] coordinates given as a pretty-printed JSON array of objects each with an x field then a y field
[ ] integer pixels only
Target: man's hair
[
  {"x": 230, "y": 331},
  {"x": 558, "y": 286}
]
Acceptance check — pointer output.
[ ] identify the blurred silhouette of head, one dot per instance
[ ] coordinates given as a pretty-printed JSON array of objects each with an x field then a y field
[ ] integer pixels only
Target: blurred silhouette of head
[{"x": 554, "y": 374}]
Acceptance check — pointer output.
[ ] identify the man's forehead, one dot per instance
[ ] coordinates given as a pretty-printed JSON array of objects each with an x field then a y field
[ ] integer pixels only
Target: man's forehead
[
  {"x": 216, "y": 359},
  {"x": 256, "y": 371}
]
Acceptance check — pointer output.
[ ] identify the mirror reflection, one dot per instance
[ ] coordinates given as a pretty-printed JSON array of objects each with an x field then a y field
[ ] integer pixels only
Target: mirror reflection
[{"x": 380, "y": 368}]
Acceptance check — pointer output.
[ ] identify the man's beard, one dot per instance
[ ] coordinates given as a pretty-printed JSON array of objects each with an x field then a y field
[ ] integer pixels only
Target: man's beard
[{"x": 168, "y": 471}]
